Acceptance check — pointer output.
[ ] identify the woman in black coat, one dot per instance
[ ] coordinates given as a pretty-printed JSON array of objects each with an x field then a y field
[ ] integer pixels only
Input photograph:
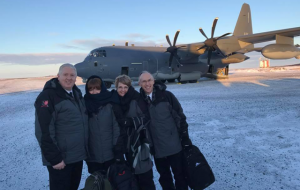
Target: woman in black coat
[{"x": 131, "y": 113}]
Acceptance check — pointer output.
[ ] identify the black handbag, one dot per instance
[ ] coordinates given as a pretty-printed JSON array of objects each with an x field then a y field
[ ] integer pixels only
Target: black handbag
[{"x": 198, "y": 173}]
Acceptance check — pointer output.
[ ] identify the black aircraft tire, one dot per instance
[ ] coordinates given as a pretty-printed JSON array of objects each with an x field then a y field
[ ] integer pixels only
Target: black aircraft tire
[
  {"x": 171, "y": 80},
  {"x": 107, "y": 84},
  {"x": 163, "y": 81},
  {"x": 192, "y": 81}
]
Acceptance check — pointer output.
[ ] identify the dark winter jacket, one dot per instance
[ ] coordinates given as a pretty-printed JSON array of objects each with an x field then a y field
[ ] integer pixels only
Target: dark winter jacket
[
  {"x": 105, "y": 142},
  {"x": 168, "y": 122},
  {"x": 61, "y": 124},
  {"x": 133, "y": 106},
  {"x": 125, "y": 110}
]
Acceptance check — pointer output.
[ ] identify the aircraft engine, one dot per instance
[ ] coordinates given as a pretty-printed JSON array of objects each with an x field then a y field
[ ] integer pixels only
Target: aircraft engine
[
  {"x": 235, "y": 58},
  {"x": 280, "y": 51},
  {"x": 210, "y": 44},
  {"x": 173, "y": 49},
  {"x": 215, "y": 58}
]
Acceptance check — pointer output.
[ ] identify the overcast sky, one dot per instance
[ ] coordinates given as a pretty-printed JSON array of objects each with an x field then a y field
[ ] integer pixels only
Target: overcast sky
[{"x": 38, "y": 36}]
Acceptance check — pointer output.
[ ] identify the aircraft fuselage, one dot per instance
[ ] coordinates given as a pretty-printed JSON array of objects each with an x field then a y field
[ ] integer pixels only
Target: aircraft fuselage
[{"x": 111, "y": 61}]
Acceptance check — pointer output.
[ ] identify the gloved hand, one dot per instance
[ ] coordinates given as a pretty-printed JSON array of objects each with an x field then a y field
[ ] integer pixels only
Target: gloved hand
[
  {"x": 119, "y": 155},
  {"x": 185, "y": 142},
  {"x": 119, "y": 159},
  {"x": 185, "y": 139}
]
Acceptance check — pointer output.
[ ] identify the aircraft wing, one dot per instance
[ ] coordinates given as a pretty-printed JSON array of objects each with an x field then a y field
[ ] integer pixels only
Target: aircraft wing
[{"x": 269, "y": 36}]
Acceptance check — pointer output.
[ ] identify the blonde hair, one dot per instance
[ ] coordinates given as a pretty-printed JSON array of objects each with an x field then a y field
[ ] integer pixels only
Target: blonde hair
[{"x": 123, "y": 79}]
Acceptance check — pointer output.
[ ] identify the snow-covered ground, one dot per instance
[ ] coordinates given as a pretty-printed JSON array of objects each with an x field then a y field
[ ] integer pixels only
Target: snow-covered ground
[
  {"x": 247, "y": 126},
  {"x": 25, "y": 84}
]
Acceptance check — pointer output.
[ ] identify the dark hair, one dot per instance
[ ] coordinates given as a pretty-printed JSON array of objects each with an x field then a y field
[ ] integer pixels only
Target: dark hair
[{"x": 94, "y": 83}]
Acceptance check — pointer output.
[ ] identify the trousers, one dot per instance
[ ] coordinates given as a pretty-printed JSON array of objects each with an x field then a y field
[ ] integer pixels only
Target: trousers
[
  {"x": 145, "y": 180},
  {"x": 164, "y": 165},
  {"x": 67, "y": 178}
]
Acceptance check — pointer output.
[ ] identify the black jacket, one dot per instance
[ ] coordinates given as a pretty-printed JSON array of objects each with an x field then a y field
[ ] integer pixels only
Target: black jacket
[
  {"x": 121, "y": 110},
  {"x": 61, "y": 124},
  {"x": 133, "y": 107}
]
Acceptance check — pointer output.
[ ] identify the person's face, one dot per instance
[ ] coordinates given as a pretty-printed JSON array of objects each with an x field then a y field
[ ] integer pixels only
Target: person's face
[
  {"x": 122, "y": 89},
  {"x": 95, "y": 91},
  {"x": 146, "y": 82},
  {"x": 67, "y": 78}
]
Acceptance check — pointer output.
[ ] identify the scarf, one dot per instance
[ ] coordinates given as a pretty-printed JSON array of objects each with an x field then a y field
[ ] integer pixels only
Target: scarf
[
  {"x": 94, "y": 101},
  {"x": 131, "y": 94}
]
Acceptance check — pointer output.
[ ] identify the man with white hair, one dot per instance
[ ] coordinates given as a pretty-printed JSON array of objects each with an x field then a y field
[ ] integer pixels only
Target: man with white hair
[
  {"x": 168, "y": 129},
  {"x": 61, "y": 128}
]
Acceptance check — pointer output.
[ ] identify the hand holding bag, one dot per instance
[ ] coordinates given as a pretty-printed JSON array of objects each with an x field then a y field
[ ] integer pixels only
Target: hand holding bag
[{"x": 198, "y": 173}]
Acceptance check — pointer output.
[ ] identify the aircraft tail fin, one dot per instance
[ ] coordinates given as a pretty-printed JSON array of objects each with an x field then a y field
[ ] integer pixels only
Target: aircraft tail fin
[{"x": 244, "y": 23}]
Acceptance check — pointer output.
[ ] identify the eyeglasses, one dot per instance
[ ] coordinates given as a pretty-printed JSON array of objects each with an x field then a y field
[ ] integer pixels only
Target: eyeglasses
[{"x": 147, "y": 81}]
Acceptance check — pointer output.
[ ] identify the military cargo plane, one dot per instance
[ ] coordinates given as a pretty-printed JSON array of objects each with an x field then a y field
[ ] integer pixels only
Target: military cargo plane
[{"x": 188, "y": 62}]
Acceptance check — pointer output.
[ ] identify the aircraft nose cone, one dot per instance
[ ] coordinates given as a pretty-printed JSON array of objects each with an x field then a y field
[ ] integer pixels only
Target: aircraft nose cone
[{"x": 79, "y": 68}]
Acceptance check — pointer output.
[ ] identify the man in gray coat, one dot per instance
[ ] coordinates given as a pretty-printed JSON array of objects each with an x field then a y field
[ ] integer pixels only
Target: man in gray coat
[
  {"x": 61, "y": 128},
  {"x": 168, "y": 129}
]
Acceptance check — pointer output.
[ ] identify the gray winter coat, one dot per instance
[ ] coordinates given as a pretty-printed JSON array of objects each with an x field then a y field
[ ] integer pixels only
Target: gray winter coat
[
  {"x": 61, "y": 125},
  {"x": 104, "y": 132},
  {"x": 164, "y": 131},
  {"x": 168, "y": 122}
]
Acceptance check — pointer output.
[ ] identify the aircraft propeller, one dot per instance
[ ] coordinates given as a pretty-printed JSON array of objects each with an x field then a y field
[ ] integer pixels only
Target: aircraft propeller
[
  {"x": 211, "y": 43},
  {"x": 173, "y": 48}
]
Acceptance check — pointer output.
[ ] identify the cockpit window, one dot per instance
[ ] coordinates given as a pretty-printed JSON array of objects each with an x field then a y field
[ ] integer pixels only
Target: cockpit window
[{"x": 98, "y": 53}]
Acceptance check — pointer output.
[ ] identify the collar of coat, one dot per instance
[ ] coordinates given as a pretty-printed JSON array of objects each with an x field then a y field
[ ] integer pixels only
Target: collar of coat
[
  {"x": 157, "y": 93},
  {"x": 60, "y": 91}
]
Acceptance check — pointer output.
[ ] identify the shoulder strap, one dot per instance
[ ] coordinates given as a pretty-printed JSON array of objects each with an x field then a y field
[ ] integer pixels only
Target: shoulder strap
[{"x": 137, "y": 131}]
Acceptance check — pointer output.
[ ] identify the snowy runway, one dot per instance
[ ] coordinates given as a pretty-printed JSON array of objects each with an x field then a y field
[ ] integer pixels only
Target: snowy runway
[{"x": 247, "y": 126}]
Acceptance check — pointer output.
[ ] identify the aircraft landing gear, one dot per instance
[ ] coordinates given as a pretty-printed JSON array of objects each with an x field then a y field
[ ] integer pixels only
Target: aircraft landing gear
[
  {"x": 171, "y": 80},
  {"x": 182, "y": 82},
  {"x": 107, "y": 84},
  {"x": 192, "y": 81}
]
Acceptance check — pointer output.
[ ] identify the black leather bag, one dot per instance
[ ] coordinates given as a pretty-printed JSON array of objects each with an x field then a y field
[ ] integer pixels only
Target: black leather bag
[{"x": 198, "y": 173}]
